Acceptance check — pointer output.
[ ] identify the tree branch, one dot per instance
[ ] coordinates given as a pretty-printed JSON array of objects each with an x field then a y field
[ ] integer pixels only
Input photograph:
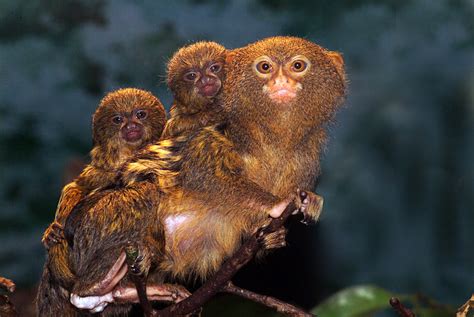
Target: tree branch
[
  {"x": 138, "y": 278},
  {"x": 7, "y": 285},
  {"x": 276, "y": 304},
  {"x": 7, "y": 308},
  {"x": 464, "y": 309},
  {"x": 400, "y": 309}
]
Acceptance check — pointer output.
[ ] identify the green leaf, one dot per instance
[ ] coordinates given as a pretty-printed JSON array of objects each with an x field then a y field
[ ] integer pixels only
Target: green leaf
[{"x": 362, "y": 300}]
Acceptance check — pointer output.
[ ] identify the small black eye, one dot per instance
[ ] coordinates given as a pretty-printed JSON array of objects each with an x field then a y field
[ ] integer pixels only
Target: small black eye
[
  {"x": 117, "y": 119},
  {"x": 191, "y": 76},
  {"x": 215, "y": 68},
  {"x": 141, "y": 114}
]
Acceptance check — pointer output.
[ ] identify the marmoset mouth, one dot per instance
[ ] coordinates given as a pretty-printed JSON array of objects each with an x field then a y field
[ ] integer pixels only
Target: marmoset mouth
[
  {"x": 133, "y": 135},
  {"x": 209, "y": 90},
  {"x": 282, "y": 94}
]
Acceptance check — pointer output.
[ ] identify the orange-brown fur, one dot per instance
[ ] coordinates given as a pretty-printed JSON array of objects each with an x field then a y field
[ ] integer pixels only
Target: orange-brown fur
[
  {"x": 281, "y": 146},
  {"x": 276, "y": 149},
  {"x": 110, "y": 151},
  {"x": 225, "y": 179},
  {"x": 190, "y": 110}
]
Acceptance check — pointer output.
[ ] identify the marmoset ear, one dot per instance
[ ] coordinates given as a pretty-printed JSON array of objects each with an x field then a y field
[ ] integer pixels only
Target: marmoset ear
[
  {"x": 229, "y": 57},
  {"x": 338, "y": 61}
]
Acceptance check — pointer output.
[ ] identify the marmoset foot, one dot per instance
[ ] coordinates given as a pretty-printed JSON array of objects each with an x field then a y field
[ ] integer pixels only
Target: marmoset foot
[
  {"x": 275, "y": 239},
  {"x": 310, "y": 205},
  {"x": 138, "y": 260},
  {"x": 53, "y": 235}
]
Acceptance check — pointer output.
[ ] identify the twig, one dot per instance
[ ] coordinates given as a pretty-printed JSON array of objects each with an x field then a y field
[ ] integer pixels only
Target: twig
[
  {"x": 464, "y": 309},
  {"x": 7, "y": 309},
  {"x": 268, "y": 301},
  {"x": 7, "y": 285},
  {"x": 219, "y": 280},
  {"x": 138, "y": 278},
  {"x": 400, "y": 309}
]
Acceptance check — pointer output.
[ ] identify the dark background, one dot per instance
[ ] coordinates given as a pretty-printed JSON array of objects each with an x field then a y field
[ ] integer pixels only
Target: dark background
[{"x": 398, "y": 177}]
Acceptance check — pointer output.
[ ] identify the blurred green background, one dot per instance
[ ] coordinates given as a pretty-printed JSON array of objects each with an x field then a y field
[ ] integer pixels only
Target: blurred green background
[{"x": 398, "y": 176}]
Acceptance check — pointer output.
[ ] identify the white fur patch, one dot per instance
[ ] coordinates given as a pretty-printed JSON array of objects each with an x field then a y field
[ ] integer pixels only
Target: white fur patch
[
  {"x": 94, "y": 304},
  {"x": 173, "y": 222}
]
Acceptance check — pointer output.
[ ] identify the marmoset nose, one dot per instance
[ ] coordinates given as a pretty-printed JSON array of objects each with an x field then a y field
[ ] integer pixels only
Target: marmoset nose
[
  {"x": 132, "y": 126},
  {"x": 280, "y": 79},
  {"x": 206, "y": 80}
]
